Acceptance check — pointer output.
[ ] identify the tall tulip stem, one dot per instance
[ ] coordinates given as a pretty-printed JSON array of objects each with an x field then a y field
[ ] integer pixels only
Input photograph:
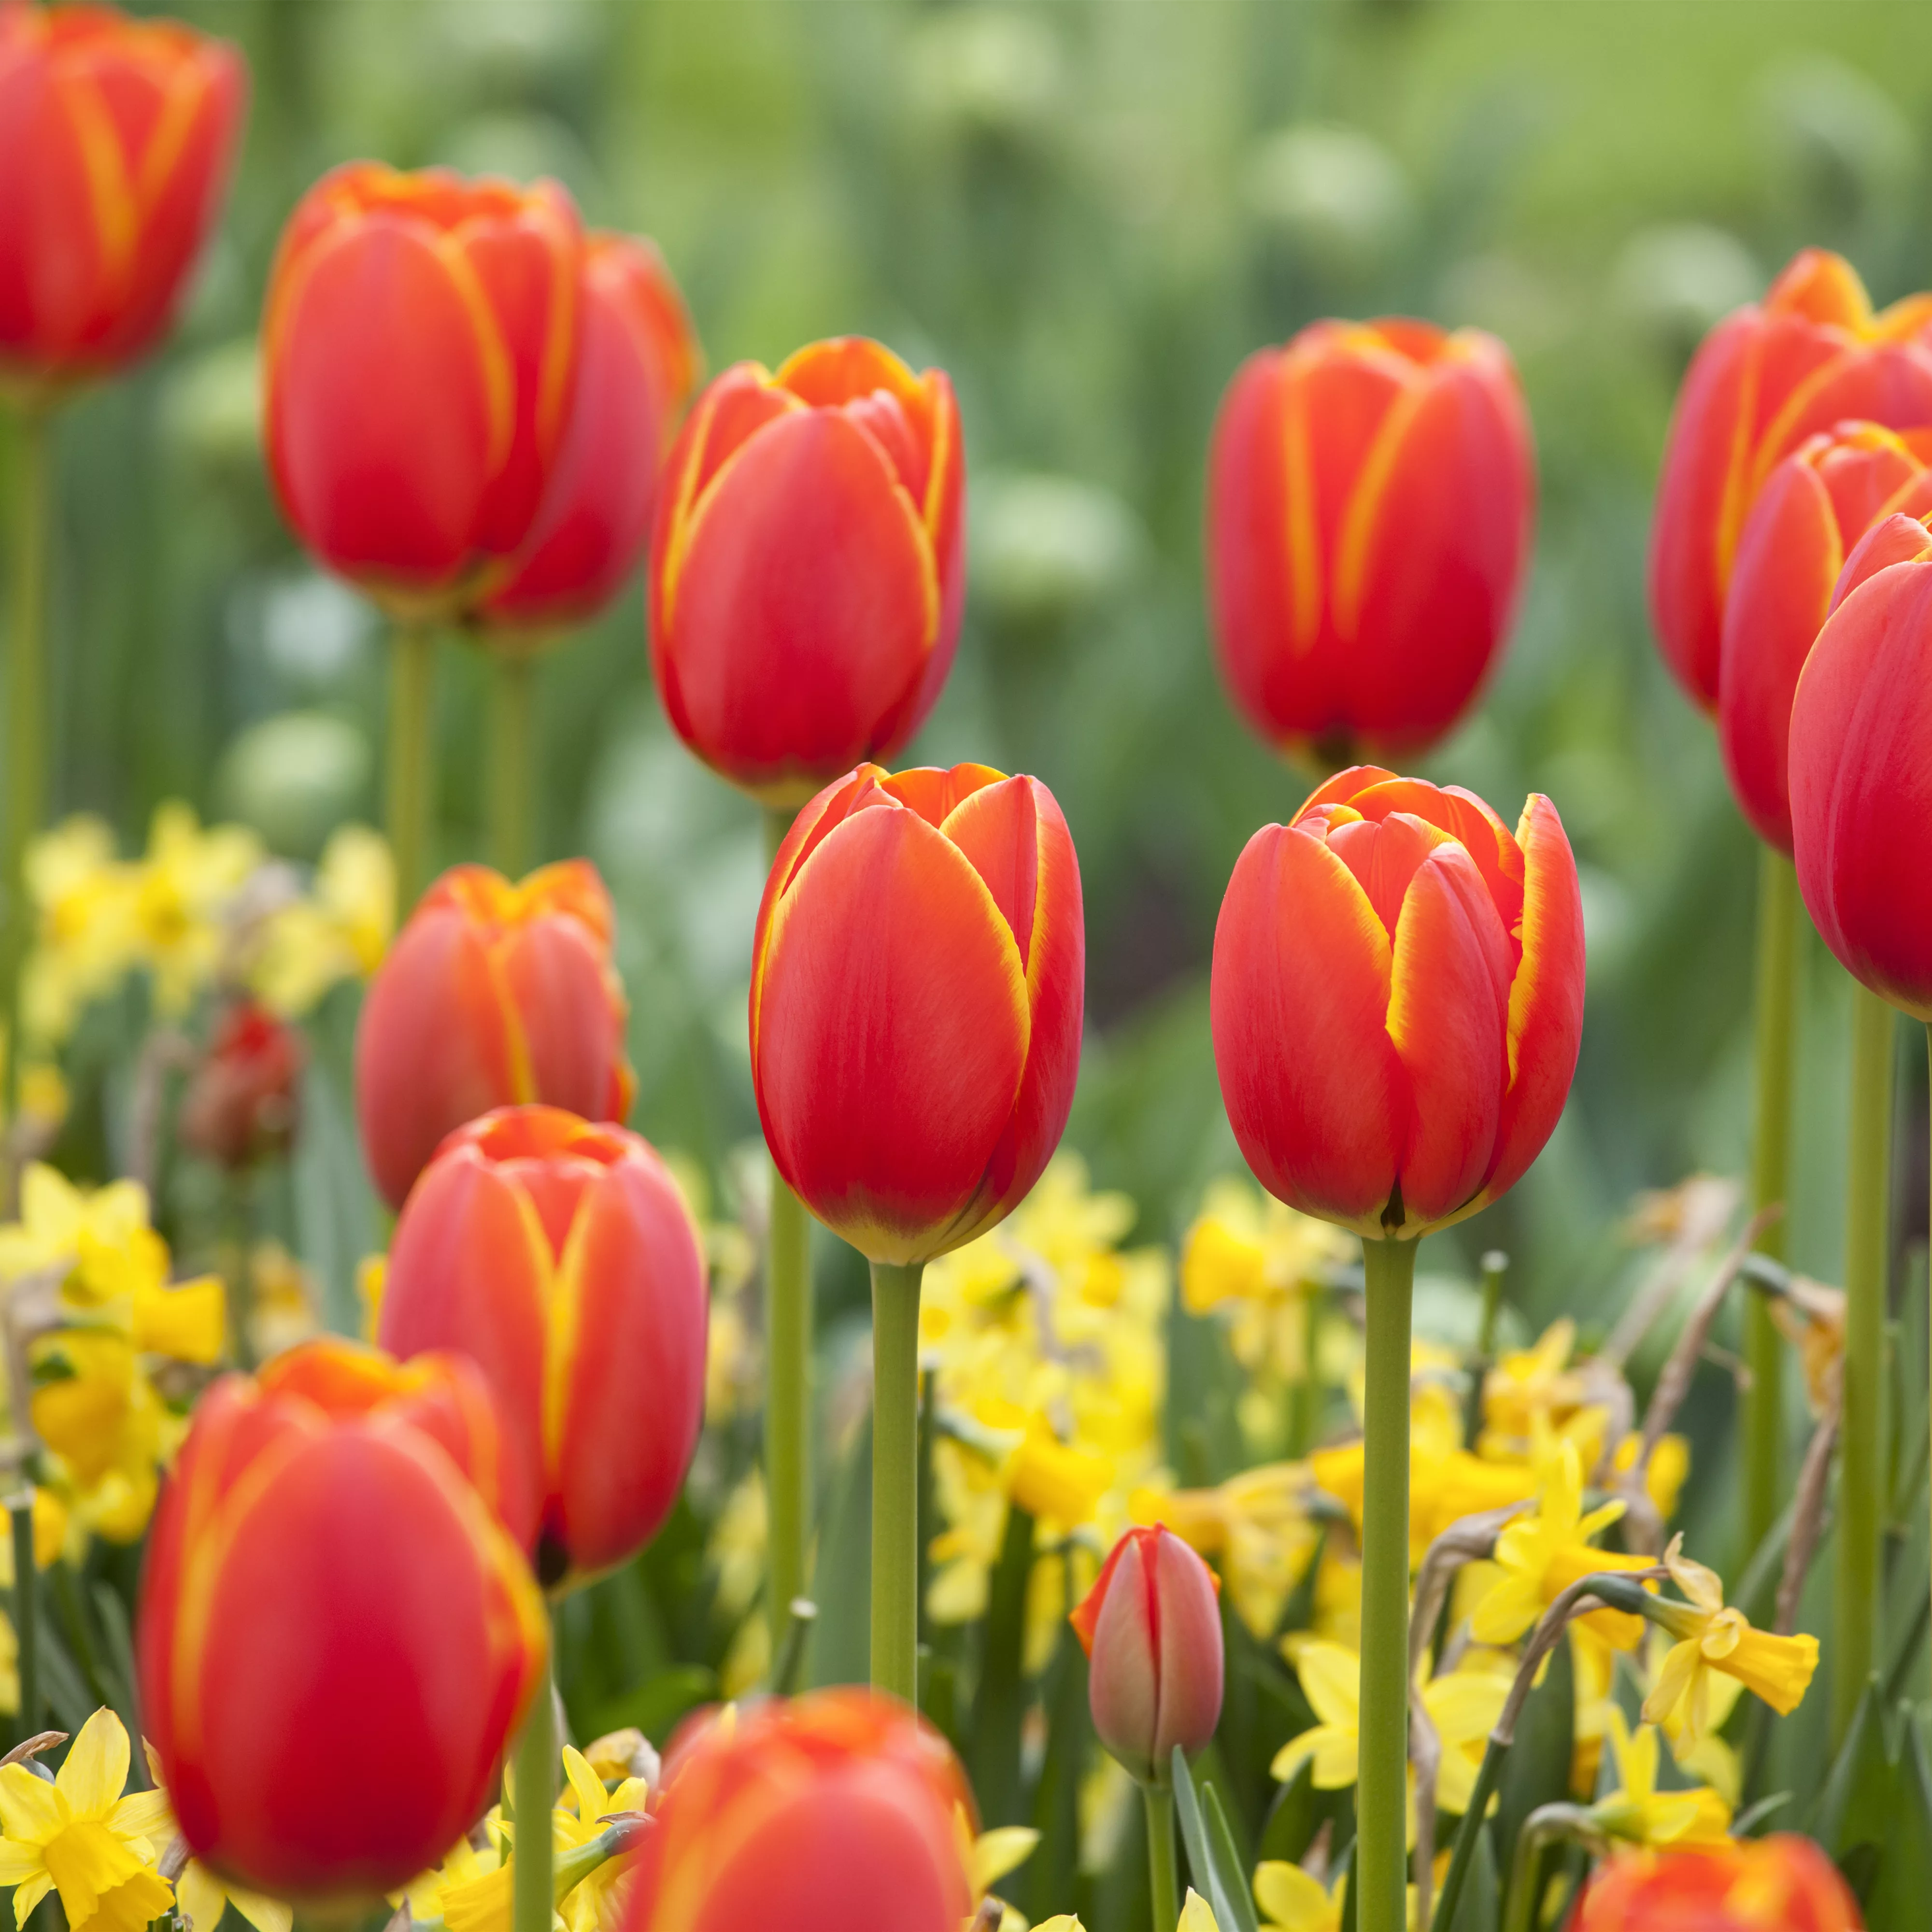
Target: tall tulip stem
[
  {"x": 896, "y": 1479},
  {"x": 1382, "y": 1796},
  {"x": 511, "y": 783},
  {"x": 1164, "y": 1881},
  {"x": 1761, "y": 1419},
  {"x": 1868, "y": 1163},
  {"x": 532, "y": 1851},
  {"x": 412, "y": 768}
]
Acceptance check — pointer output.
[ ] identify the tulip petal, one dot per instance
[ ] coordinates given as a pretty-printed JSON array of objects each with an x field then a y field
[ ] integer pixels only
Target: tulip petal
[
  {"x": 561, "y": 1014},
  {"x": 1190, "y": 1663},
  {"x": 1124, "y": 1680}
]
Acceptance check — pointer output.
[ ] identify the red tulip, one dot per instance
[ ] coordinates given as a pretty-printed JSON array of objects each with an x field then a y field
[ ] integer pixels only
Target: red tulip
[
  {"x": 836, "y": 1810},
  {"x": 561, "y": 1258},
  {"x": 917, "y": 984},
  {"x": 807, "y": 567},
  {"x": 1371, "y": 493},
  {"x": 1783, "y": 1883},
  {"x": 1397, "y": 1000},
  {"x": 337, "y": 1637},
  {"x": 492, "y": 995},
  {"x": 1151, "y": 1629},
  {"x": 115, "y": 140},
  {"x": 240, "y": 1104},
  {"x": 1817, "y": 505},
  {"x": 1765, "y": 378},
  {"x": 637, "y": 362},
  {"x": 420, "y": 345}
]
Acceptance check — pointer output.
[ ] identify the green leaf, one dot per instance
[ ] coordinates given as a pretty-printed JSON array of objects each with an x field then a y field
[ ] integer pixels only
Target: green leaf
[
  {"x": 656, "y": 1705},
  {"x": 1217, "y": 1873},
  {"x": 1294, "y": 1818},
  {"x": 1899, "y": 1899},
  {"x": 1537, "y": 1771},
  {"x": 999, "y": 1703},
  {"x": 1229, "y": 1863},
  {"x": 1480, "y": 1906},
  {"x": 1855, "y": 1805},
  {"x": 1054, "y": 1870}
]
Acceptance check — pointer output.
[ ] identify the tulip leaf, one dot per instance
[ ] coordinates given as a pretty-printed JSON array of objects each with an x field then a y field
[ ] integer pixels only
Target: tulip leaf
[
  {"x": 1216, "y": 1866},
  {"x": 1856, "y": 1806},
  {"x": 1294, "y": 1818},
  {"x": 842, "y": 1579},
  {"x": 655, "y": 1706},
  {"x": 1904, "y": 1884},
  {"x": 1055, "y": 1866},
  {"x": 1480, "y": 1905},
  {"x": 1536, "y": 1769},
  {"x": 999, "y": 1703}
]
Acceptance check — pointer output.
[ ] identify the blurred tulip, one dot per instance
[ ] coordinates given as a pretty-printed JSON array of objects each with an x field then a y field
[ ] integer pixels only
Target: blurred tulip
[
  {"x": 1151, "y": 1629},
  {"x": 1783, "y": 1883},
  {"x": 815, "y": 1814},
  {"x": 1816, "y": 505},
  {"x": 240, "y": 1104},
  {"x": 337, "y": 1635},
  {"x": 917, "y": 984},
  {"x": 419, "y": 343},
  {"x": 1811, "y": 354},
  {"x": 115, "y": 140},
  {"x": 492, "y": 995},
  {"x": 1397, "y": 1000},
  {"x": 807, "y": 565},
  {"x": 1371, "y": 493},
  {"x": 561, "y": 1258}
]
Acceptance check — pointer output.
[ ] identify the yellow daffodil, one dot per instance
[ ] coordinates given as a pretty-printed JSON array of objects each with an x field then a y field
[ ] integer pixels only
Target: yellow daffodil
[
  {"x": 339, "y": 931},
  {"x": 1196, "y": 1915},
  {"x": 993, "y": 1854},
  {"x": 1532, "y": 1382},
  {"x": 1639, "y": 1813},
  {"x": 1295, "y": 1900},
  {"x": 1258, "y": 1524},
  {"x": 100, "y": 1416},
  {"x": 189, "y": 880},
  {"x": 1813, "y": 1319},
  {"x": 86, "y": 937},
  {"x": 1664, "y": 1474},
  {"x": 427, "y": 1893}
]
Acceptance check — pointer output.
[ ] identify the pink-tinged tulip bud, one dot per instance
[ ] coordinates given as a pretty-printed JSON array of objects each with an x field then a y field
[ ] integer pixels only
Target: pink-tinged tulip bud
[
  {"x": 493, "y": 995},
  {"x": 240, "y": 1104},
  {"x": 917, "y": 984},
  {"x": 560, "y": 1257},
  {"x": 1397, "y": 1000},
  {"x": 1817, "y": 505},
  {"x": 1811, "y": 354},
  {"x": 808, "y": 566},
  {"x": 1151, "y": 1629},
  {"x": 1371, "y": 492}
]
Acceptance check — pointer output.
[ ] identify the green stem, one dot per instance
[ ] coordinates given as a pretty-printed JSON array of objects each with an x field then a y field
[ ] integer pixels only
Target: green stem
[
  {"x": 1382, "y": 1796},
  {"x": 240, "y": 1271},
  {"x": 26, "y": 726},
  {"x": 412, "y": 757},
  {"x": 1162, "y": 1876},
  {"x": 512, "y": 794},
  {"x": 1860, "y": 1452},
  {"x": 26, "y": 1617},
  {"x": 535, "y": 1784},
  {"x": 1470, "y": 1828},
  {"x": 1761, "y": 1414},
  {"x": 1304, "y": 1394},
  {"x": 896, "y": 1479}
]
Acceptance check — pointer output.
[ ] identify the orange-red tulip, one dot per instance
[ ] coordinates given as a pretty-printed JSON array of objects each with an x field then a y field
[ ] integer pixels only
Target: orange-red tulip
[
  {"x": 1151, "y": 1629},
  {"x": 1783, "y": 1883},
  {"x": 918, "y": 979},
  {"x": 1812, "y": 355},
  {"x": 561, "y": 1258},
  {"x": 1371, "y": 492},
  {"x": 807, "y": 566},
  {"x": 637, "y": 362},
  {"x": 1816, "y": 505},
  {"x": 338, "y": 1636},
  {"x": 1397, "y": 1000},
  {"x": 420, "y": 345},
  {"x": 115, "y": 140},
  {"x": 829, "y": 1811},
  {"x": 494, "y": 994},
  {"x": 240, "y": 1104}
]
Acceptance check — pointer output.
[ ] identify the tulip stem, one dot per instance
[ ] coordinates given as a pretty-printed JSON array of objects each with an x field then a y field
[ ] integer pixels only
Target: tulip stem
[
  {"x": 896, "y": 1479},
  {"x": 26, "y": 1610},
  {"x": 412, "y": 757},
  {"x": 1165, "y": 1883},
  {"x": 1381, "y": 1791},
  {"x": 239, "y": 1272},
  {"x": 512, "y": 796},
  {"x": 1868, "y": 1163},
  {"x": 535, "y": 1794},
  {"x": 1761, "y": 1413}
]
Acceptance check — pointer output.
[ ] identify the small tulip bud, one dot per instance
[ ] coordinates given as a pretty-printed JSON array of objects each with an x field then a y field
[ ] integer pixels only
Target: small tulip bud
[
  {"x": 1151, "y": 1629},
  {"x": 241, "y": 1105}
]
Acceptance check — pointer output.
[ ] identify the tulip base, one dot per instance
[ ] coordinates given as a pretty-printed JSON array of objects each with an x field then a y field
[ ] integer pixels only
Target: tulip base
[
  {"x": 1162, "y": 1874},
  {"x": 532, "y": 1852},
  {"x": 412, "y": 758},
  {"x": 512, "y": 792},
  {"x": 896, "y": 1479},
  {"x": 1381, "y": 1791},
  {"x": 26, "y": 728}
]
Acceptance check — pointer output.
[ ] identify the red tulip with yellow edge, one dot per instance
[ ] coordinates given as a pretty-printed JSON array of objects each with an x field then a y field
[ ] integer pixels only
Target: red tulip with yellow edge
[
  {"x": 814, "y": 1814},
  {"x": 1811, "y": 354},
  {"x": 116, "y": 138},
  {"x": 1371, "y": 493},
  {"x": 337, "y": 1634},
  {"x": 494, "y": 995},
  {"x": 561, "y": 1258},
  {"x": 808, "y": 566},
  {"x": 1783, "y": 1883}
]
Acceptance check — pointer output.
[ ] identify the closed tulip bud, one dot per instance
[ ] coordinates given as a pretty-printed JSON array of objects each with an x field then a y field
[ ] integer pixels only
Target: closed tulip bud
[
  {"x": 814, "y": 1814},
  {"x": 807, "y": 566},
  {"x": 419, "y": 347},
  {"x": 637, "y": 362},
  {"x": 1151, "y": 1629},
  {"x": 1371, "y": 493},
  {"x": 1397, "y": 1000},
  {"x": 494, "y": 995},
  {"x": 1783, "y": 1883},
  {"x": 240, "y": 1104},
  {"x": 1812, "y": 511},
  {"x": 337, "y": 1637},
  {"x": 917, "y": 984},
  {"x": 1810, "y": 355},
  {"x": 115, "y": 140},
  {"x": 561, "y": 1258}
]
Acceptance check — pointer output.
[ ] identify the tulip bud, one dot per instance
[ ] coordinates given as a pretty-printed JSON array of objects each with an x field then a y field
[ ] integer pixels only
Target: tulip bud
[
  {"x": 1782, "y": 1883},
  {"x": 494, "y": 995},
  {"x": 561, "y": 1258},
  {"x": 1151, "y": 1629},
  {"x": 1371, "y": 493},
  {"x": 1397, "y": 1000},
  {"x": 917, "y": 984},
  {"x": 814, "y": 1814},
  {"x": 241, "y": 1103},
  {"x": 1811, "y": 354},
  {"x": 807, "y": 567},
  {"x": 115, "y": 140},
  {"x": 337, "y": 1635}
]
